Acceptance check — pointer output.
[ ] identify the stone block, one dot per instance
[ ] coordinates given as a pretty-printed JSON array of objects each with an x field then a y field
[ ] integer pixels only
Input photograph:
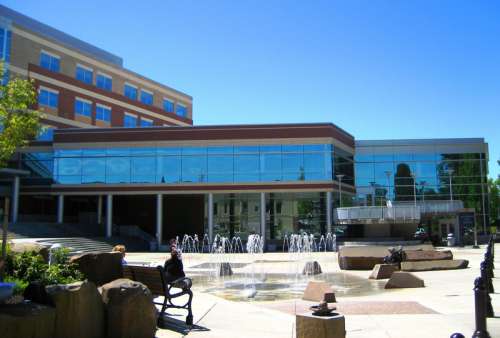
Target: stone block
[
  {"x": 435, "y": 265},
  {"x": 383, "y": 271},
  {"x": 427, "y": 255},
  {"x": 318, "y": 291},
  {"x": 312, "y": 268},
  {"x": 404, "y": 280},
  {"x": 27, "y": 320},
  {"x": 130, "y": 311},
  {"x": 361, "y": 257},
  {"x": 308, "y": 326},
  {"x": 79, "y": 310},
  {"x": 100, "y": 267}
]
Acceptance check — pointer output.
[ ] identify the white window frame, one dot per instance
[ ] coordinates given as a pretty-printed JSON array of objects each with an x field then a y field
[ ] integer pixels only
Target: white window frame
[
  {"x": 147, "y": 91},
  {"x": 83, "y": 100},
  {"x": 130, "y": 114},
  {"x": 54, "y": 91},
  {"x": 85, "y": 67},
  {"x": 130, "y": 85},
  {"x": 51, "y": 54},
  {"x": 146, "y": 119},
  {"x": 104, "y": 74},
  {"x": 102, "y": 106}
]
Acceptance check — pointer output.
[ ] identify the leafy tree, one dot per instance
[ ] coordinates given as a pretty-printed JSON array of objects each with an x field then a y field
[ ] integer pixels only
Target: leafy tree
[
  {"x": 19, "y": 124},
  {"x": 494, "y": 201}
]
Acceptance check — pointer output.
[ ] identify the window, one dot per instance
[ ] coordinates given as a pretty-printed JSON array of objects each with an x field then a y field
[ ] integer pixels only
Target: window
[
  {"x": 103, "y": 81},
  {"x": 146, "y": 122},
  {"x": 129, "y": 121},
  {"x": 49, "y": 61},
  {"x": 84, "y": 74},
  {"x": 181, "y": 110},
  {"x": 48, "y": 98},
  {"x": 146, "y": 97},
  {"x": 103, "y": 113},
  {"x": 46, "y": 134},
  {"x": 130, "y": 91},
  {"x": 83, "y": 107},
  {"x": 168, "y": 105}
]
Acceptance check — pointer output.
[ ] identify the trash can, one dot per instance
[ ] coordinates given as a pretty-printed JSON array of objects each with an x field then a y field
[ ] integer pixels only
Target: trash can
[{"x": 450, "y": 239}]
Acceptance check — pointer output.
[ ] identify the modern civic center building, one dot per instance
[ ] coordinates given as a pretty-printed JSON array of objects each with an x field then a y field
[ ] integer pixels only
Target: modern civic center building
[{"x": 120, "y": 150}]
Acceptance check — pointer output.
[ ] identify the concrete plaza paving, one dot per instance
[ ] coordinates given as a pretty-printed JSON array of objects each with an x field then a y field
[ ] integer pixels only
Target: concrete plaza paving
[{"x": 444, "y": 306}]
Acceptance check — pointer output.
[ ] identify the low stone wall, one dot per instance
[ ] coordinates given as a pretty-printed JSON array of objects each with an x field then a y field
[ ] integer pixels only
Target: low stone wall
[{"x": 27, "y": 320}]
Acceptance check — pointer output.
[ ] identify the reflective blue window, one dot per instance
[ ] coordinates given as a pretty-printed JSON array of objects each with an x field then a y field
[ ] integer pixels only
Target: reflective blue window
[
  {"x": 130, "y": 92},
  {"x": 50, "y": 62},
  {"x": 146, "y": 123},
  {"x": 146, "y": 97},
  {"x": 84, "y": 74},
  {"x": 104, "y": 82},
  {"x": 168, "y": 105},
  {"x": 83, "y": 108},
  {"x": 215, "y": 164},
  {"x": 48, "y": 98},
  {"x": 181, "y": 110},
  {"x": 103, "y": 113},
  {"x": 129, "y": 121},
  {"x": 46, "y": 134}
]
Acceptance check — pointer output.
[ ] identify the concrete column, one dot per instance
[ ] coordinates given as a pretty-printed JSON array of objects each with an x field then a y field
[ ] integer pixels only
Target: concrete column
[
  {"x": 159, "y": 218},
  {"x": 210, "y": 216},
  {"x": 329, "y": 211},
  {"x": 15, "y": 199},
  {"x": 109, "y": 215},
  {"x": 60, "y": 209},
  {"x": 99, "y": 209},
  {"x": 263, "y": 216}
]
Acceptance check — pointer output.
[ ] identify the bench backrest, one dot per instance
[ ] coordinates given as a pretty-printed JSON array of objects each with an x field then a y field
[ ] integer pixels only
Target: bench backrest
[{"x": 150, "y": 276}]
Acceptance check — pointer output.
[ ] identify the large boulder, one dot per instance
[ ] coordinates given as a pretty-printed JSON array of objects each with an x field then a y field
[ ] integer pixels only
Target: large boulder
[
  {"x": 404, "y": 280},
  {"x": 383, "y": 271},
  {"x": 100, "y": 267},
  {"x": 27, "y": 320},
  {"x": 130, "y": 311},
  {"x": 435, "y": 265},
  {"x": 79, "y": 310},
  {"x": 20, "y": 247},
  {"x": 318, "y": 292},
  {"x": 361, "y": 257},
  {"x": 427, "y": 255}
]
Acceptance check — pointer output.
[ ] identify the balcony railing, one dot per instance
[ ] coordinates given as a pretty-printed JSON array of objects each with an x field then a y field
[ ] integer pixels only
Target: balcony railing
[{"x": 397, "y": 212}]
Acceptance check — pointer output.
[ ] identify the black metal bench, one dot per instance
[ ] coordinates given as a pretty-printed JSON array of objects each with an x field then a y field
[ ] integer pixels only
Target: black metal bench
[{"x": 154, "y": 279}]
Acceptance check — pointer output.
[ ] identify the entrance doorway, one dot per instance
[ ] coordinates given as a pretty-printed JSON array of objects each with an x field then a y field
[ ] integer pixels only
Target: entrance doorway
[{"x": 183, "y": 214}]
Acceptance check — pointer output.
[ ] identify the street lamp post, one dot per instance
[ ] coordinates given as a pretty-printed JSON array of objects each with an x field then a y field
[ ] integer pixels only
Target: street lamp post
[
  {"x": 450, "y": 173},
  {"x": 388, "y": 174},
  {"x": 414, "y": 188},
  {"x": 340, "y": 177},
  {"x": 373, "y": 193}
]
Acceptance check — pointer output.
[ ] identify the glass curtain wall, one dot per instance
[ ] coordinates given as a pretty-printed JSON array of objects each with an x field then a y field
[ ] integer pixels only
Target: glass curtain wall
[
  {"x": 213, "y": 164},
  {"x": 288, "y": 213},
  {"x": 236, "y": 215},
  {"x": 392, "y": 175}
]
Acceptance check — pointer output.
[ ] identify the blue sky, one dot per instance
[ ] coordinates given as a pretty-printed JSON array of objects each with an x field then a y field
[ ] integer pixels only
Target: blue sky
[{"x": 378, "y": 69}]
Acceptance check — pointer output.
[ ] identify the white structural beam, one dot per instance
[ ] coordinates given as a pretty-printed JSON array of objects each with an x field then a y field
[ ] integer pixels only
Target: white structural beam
[
  {"x": 60, "y": 209},
  {"x": 328, "y": 211},
  {"x": 15, "y": 199},
  {"x": 159, "y": 219},
  {"x": 109, "y": 215},
  {"x": 263, "y": 216},
  {"x": 210, "y": 216}
]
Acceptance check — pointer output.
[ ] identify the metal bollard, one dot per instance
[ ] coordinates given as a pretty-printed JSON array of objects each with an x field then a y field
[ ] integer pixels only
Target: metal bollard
[
  {"x": 480, "y": 309},
  {"x": 486, "y": 277}
]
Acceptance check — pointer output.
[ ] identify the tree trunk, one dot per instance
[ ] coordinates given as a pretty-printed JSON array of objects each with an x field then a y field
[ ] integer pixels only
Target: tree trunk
[{"x": 4, "y": 237}]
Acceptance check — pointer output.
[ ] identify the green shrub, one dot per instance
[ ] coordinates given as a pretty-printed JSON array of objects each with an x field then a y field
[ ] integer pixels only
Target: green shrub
[
  {"x": 20, "y": 285},
  {"x": 30, "y": 266}
]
